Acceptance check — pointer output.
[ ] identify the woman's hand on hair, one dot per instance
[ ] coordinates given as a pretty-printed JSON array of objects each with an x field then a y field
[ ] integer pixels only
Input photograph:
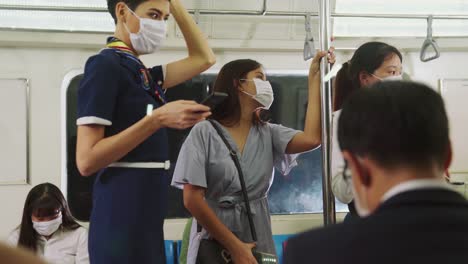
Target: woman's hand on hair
[{"x": 180, "y": 114}]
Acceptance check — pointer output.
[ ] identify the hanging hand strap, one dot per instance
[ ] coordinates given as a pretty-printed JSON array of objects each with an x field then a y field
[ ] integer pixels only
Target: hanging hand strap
[
  {"x": 309, "y": 47},
  {"x": 241, "y": 178},
  {"x": 428, "y": 43}
]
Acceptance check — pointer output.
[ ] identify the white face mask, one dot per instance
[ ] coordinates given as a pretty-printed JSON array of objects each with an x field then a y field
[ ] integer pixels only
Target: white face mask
[
  {"x": 389, "y": 78},
  {"x": 264, "y": 94},
  {"x": 150, "y": 37},
  {"x": 49, "y": 227},
  {"x": 361, "y": 209}
]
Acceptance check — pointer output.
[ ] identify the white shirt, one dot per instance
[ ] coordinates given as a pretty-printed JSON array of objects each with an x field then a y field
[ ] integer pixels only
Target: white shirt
[
  {"x": 341, "y": 188},
  {"x": 419, "y": 184},
  {"x": 63, "y": 247}
]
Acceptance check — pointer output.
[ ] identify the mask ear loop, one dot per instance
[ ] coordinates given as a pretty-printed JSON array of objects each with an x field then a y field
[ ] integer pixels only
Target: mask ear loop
[
  {"x": 381, "y": 79},
  {"x": 237, "y": 84},
  {"x": 126, "y": 28},
  {"x": 125, "y": 23},
  {"x": 133, "y": 13},
  {"x": 241, "y": 89}
]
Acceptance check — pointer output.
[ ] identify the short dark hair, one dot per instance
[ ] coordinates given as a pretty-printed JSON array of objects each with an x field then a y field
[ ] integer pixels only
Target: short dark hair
[
  {"x": 132, "y": 4},
  {"x": 227, "y": 81},
  {"x": 43, "y": 200},
  {"x": 368, "y": 57},
  {"x": 396, "y": 124}
]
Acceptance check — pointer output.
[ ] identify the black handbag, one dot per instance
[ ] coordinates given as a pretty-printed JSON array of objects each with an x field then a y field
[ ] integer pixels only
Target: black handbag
[{"x": 211, "y": 251}]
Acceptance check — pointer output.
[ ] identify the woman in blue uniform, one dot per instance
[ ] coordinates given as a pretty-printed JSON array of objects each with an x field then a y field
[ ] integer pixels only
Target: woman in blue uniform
[{"x": 122, "y": 116}]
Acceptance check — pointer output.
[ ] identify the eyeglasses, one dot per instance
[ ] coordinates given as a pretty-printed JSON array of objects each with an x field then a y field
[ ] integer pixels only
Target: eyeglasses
[{"x": 346, "y": 173}]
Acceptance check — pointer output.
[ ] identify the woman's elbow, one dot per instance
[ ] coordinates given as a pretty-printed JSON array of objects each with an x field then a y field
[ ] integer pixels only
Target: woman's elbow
[
  {"x": 189, "y": 200},
  {"x": 201, "y": 63},
  {"x": 192, "y": 198},
  {"x": 211, "y": 60},
  {"x": 313, "y": 143},
  {"x": 208, "y": 61},
  {"x": 85, "y": 167},
  {"x": 189, "y": 204}
]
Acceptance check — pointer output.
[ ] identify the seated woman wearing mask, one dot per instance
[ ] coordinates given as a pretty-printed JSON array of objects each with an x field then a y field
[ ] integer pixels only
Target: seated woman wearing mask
[
  {"x": 122, "y": 121},
  {"x": 48, "y": 228},
  {"x": 372, "y": 62},
  {"x": 208, "y": 175}
]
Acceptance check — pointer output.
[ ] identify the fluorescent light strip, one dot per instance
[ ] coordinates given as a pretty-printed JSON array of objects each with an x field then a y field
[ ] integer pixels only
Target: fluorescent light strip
[
  {"x": 424, "y": 7},
  {"x": 56, "y": 20},
  {"x": 55, "y": 3},
  {"x": 370, "y": 27}
]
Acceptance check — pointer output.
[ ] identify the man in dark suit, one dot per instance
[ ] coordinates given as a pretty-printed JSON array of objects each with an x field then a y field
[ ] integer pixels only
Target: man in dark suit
[{"x": 395, "y": 141}]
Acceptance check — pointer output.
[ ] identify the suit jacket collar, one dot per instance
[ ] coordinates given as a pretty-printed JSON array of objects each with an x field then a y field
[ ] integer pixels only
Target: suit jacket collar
[
  {"x": 415, "y": 184},
  {"x": 421, "y": 197}
]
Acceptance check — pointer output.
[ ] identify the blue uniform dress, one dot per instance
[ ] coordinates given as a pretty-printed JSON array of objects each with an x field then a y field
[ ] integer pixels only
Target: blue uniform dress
[{"x": 129, "y": 204}]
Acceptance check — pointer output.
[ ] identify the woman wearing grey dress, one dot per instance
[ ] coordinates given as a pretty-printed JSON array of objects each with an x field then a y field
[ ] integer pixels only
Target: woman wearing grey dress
[{"x": 208, "y": 176}]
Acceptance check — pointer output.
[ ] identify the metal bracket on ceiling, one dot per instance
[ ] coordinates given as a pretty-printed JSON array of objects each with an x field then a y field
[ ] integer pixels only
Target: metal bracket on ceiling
[{"x": 265, "y": 8}]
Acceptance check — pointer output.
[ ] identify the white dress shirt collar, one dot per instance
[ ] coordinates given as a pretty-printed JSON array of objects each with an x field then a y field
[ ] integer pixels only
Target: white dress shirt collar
[{"x": 418, "y": 184}]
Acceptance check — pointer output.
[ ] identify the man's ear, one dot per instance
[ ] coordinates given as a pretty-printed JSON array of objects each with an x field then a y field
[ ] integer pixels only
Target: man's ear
[
  {"x": 360, "y": 173},
  {"x": 121, "y": 11},
  {"x": 448, "y": 159}
]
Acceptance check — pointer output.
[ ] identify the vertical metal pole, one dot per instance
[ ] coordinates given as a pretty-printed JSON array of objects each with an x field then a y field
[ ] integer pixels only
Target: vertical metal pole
[{"x": 328, "y": 198}]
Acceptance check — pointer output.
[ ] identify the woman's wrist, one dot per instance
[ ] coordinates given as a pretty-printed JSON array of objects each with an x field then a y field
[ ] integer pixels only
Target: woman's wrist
[
  {"x": 155, "y": 120},
  {"x": 234, "y": 245},
  {"x": 174, "y": 3}
]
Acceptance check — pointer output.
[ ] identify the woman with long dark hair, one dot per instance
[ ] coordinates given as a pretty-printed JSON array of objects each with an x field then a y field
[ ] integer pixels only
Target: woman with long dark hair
[
  {"x": 208, "y": 175},
  {"x": 372, "y": 62},
  {"x": 48, "y": 228}
]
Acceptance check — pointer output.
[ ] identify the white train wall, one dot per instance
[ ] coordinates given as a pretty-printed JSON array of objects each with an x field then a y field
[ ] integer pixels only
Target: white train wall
[{"x": 46, "y": 58}]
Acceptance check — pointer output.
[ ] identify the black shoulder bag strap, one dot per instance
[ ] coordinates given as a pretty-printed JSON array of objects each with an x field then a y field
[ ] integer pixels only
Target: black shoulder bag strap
[{"x": 234, "y": 157}]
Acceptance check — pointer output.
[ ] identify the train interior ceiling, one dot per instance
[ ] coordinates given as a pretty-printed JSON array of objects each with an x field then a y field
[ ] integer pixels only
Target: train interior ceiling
[{"x": 46, "y": 43}]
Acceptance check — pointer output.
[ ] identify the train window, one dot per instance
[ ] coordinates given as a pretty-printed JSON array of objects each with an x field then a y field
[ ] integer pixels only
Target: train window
[
  {"x": 79, "y": 189},
  {"x": 299, "y": 192}
]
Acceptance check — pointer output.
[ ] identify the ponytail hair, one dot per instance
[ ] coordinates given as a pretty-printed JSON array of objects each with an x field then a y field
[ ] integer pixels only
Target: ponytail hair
[
  {"x": 368, "y": 57},
  {"x": 344, "y": 86}
]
